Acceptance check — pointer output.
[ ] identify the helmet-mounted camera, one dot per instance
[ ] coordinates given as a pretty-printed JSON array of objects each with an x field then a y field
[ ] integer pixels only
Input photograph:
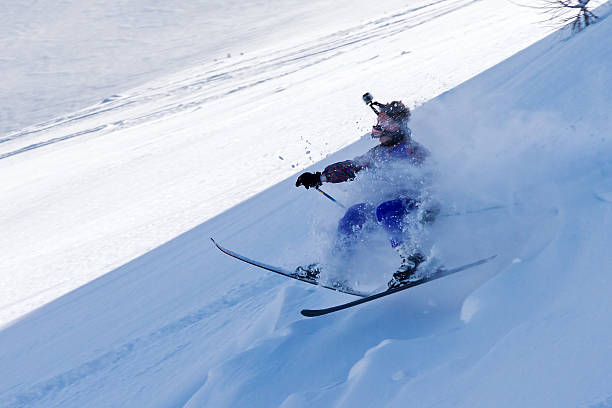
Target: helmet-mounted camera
[{"x": 395, "y": 110}]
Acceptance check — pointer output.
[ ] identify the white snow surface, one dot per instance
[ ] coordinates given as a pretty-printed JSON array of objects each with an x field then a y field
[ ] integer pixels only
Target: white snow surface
[{"x": 113, "y": 295}]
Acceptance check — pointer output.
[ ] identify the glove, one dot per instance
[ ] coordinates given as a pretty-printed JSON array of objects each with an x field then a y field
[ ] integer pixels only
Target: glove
[{"x": 309, "y": 180}]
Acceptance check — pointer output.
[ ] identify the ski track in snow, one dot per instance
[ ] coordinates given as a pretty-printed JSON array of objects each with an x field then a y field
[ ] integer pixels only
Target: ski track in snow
[{"x": 217, "y": 82}]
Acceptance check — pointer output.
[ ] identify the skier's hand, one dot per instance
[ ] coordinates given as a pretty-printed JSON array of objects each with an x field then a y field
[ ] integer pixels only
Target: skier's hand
[{"x": 309, "y": 180}]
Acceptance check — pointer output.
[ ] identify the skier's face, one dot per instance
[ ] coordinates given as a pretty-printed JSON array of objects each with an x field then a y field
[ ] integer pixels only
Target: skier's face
[{"x": 384, "y": 127}]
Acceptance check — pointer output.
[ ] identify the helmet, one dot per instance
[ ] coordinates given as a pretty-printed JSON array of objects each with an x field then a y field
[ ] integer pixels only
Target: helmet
[{"x": 396, "y": 110}]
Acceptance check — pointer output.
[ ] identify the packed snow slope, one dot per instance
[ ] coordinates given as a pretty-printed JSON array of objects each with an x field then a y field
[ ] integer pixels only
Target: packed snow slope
[{"x": 183, "y": 325}]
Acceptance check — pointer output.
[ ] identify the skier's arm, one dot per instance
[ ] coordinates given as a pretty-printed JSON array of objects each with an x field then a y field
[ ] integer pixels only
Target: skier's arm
[
  {"x": 346, "y": 170},
  {"x": 340, "y": 172},
  {"x": 334, "y": 173}
]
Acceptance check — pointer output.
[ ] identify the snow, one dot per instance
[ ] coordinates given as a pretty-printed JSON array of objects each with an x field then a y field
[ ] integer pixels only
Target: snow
[
  {"x": 70, "y": 217},
  {"x": 113, "y": 295}
]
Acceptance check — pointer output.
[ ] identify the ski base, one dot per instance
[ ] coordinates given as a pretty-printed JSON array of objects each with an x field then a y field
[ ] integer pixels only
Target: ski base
[
  {"x": 437, "y": 275},
  {"x": 335, "y": 286}
]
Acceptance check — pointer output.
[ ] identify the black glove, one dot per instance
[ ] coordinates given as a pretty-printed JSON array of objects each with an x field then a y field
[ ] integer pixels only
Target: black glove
[{"x": 309, "y": 180}]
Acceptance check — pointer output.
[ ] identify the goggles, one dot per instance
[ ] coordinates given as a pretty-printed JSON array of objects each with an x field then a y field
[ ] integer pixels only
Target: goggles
[{"x": 385, "y": 125}]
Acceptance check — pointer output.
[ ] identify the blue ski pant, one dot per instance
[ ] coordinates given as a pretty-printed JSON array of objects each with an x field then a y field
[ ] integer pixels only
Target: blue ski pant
[{"x": 390, "y": 214}]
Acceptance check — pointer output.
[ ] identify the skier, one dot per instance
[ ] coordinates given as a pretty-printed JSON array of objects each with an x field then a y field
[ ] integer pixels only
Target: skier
[{"x": 396, "y": 148}]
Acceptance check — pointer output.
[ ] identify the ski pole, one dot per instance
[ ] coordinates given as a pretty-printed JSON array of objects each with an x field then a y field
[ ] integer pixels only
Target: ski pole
[{"x": 330, "y": 197}]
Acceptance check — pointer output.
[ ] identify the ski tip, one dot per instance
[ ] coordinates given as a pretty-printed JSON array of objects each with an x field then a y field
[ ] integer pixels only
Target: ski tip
[
  {"x": 309, "y": 313},
  {"x": 216, "y": 244}
]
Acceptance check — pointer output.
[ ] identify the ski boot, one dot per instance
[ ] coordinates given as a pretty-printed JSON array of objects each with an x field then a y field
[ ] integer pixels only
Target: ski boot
[
  {"x": 407, "y": 270},
  {"x": 430, "y": 215},
  {"x": 429, "y": 212},
  {"x": 310, "y": 272}
]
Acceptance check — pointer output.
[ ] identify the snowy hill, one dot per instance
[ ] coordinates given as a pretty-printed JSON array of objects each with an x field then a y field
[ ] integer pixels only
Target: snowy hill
[
  {"x": 161, "y": 166},
  {"x": 183, "y": 325},
  {"x": 61, "y": 57}
]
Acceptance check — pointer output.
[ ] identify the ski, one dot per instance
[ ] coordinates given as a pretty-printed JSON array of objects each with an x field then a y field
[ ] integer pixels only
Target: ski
[
  {"x": 335, "y": 286},
  {"x": 440, "y": 273},
  {"x": 475, "y": 211}
]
